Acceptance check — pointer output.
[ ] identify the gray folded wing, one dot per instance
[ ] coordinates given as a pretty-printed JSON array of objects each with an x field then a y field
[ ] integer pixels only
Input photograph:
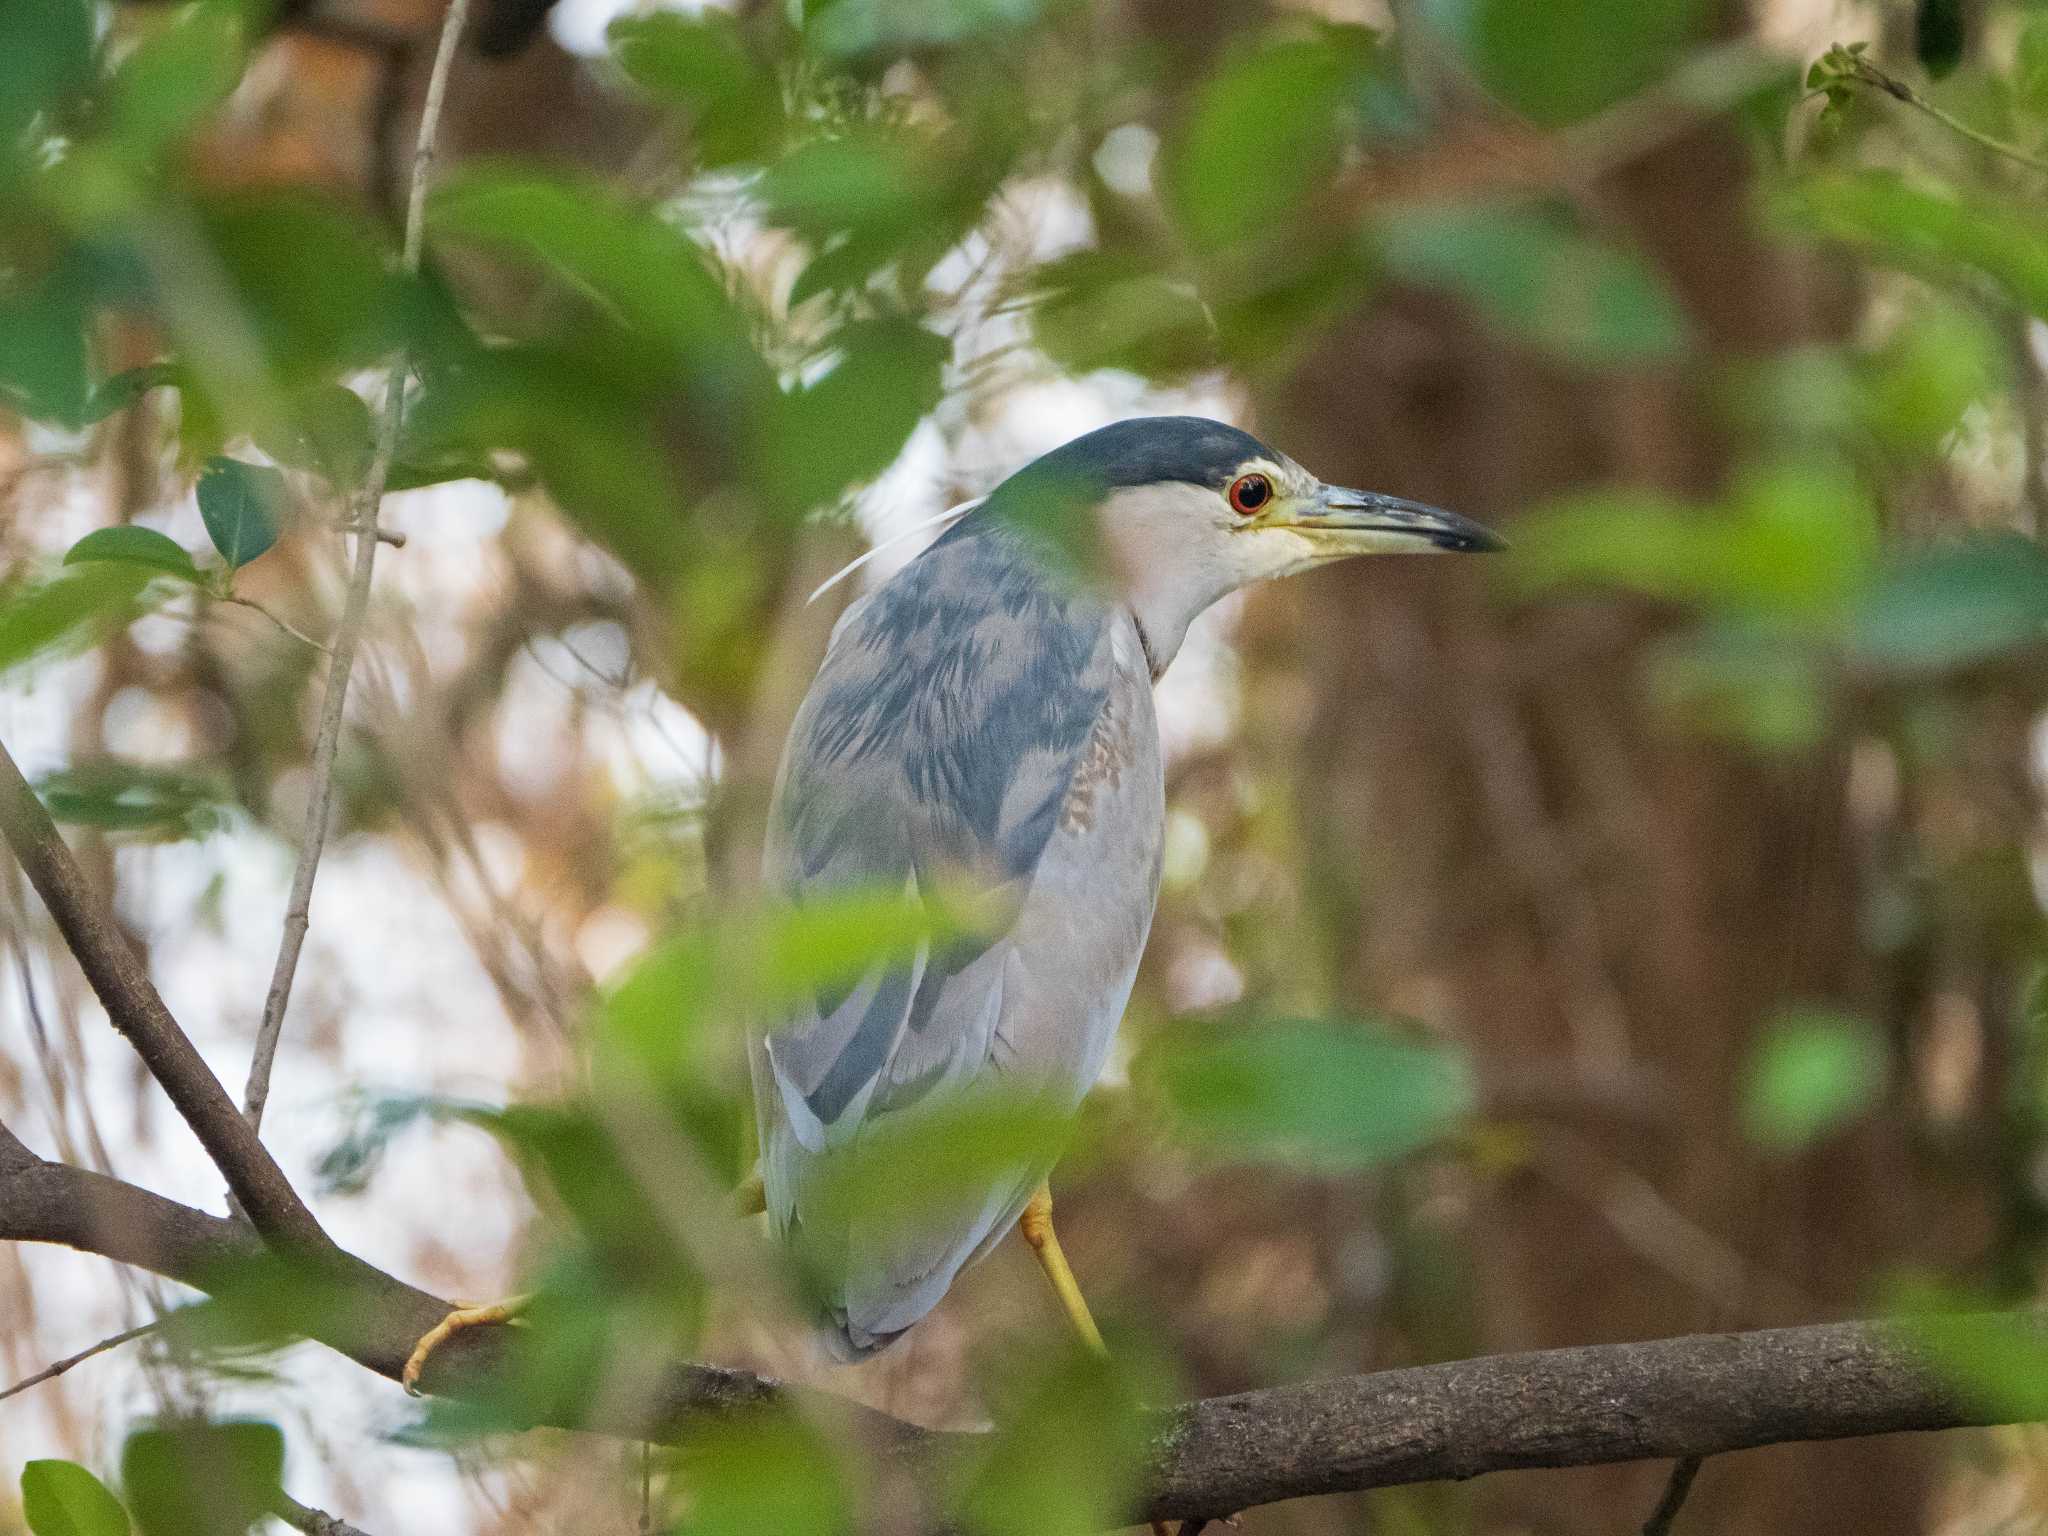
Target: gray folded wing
[{"x": 974, "y": 721}]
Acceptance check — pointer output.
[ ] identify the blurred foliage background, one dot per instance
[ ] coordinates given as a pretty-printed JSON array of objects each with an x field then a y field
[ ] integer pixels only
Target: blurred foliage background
[{"x": 1642, "y": 934}]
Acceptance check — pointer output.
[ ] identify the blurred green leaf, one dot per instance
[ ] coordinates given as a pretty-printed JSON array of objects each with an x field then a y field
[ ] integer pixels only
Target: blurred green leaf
[
  {"x": 135, "y": 546},
  {"x": 767, "y": 1472},
  {"x": 201, "y": 1478},
  {"x": 61, "y": 1498},
  {"x": 1267, "y": 131},
  {"x": 1751, "y": 682},
  {"x": 117, "y": 796},
  {"x": 702, "y": 65},
  {"x": 1559, "y": 60},
  {"x": 1795, "y": 542},
  {"x": 313, "y": 318},
  {"x": 179, "y": 73},
  {"x": 1954, "y": 606},
  {"x": 850, "y": 425},
  {"x": 1939, "y": 234},
  {"x": 67, "y": 612},
  {"x": 125, "y": 388},
  {"x": 872, "y": 181},
  {"x": 1999, "y": 1359},
  {"x": 1324, "y": 1094},
  {"x": 325, "y": 427},
  {"x": 1942, "y": 360},
  {"x": 2029, "y": 79},
  {"x": 49, "y": 54},
  {"x": 1541, "y": 281},
  {"x": 1104, "y": 309},
  {"x": 850, "y": 27},
  {"x": 1810, "y": 1074},
  {"x": 1066, "y": 1455},
  {"x": 242, "y": 506},
  {"x": 639, "y": 270},
  {"x": 44, "y": 368}
]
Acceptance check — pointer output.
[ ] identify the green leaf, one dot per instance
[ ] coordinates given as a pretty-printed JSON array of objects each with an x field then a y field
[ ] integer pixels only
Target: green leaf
[
  {"x": 1242, "y": 164},
  {"x": 165, "y": 804},
  {"x": 67, "y": 612},
  {"x": 1750, "y": 682},
  {"x": 1955, "y": 606},
  {"x": 1943, "y": 235},
  {"x": 242, "y": 506},
  {"x": 701, "y": 64},
  {"x": 1325, "y": 1094},
  {"x": 201, "y": 1478},
  {"x": 1111, "y": 309},
  {"x": 61, "y": 1498},
  {"x": 766, "y": 1472},
  {"x": 44, "y": 369},
  {"x": 314, "y": 317},
  {"x": 850, "y": 425},
  {"x": 640, "y": 271},
  {"x": 1795, "y": 544},
  {"x": 178, "y": 74},
  {"x": 1541, "y": 281},
  {"x": 135, "y": 546},
  {"x": 49, "y": 54},
  {"x": 125, "y": 388},
  {"x": 1067, "y": 1453},
  {"x": 327, "y": 428},
  {"x": 1810, "y": 1074},
  {"x": 1560, "y": 60},
  {"x": 852, "y": 27}
]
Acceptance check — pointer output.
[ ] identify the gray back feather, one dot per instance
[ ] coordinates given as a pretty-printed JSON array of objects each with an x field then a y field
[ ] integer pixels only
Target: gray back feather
[{"x": 938, "y": 743}]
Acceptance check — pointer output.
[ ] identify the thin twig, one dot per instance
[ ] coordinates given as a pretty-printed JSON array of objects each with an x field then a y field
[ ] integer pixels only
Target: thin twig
[
  {"x": 1841, "y": 64},
  {"x": 314, "y": 1522},
  {"x": 1683, "y": 1471},
  {"x": 51, "y": 1372},
  {"x": 348, "y": 634},
  {"x": 294, "y": 631}
]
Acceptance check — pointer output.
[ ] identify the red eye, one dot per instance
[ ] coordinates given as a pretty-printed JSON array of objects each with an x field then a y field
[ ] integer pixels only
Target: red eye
[{"x": 1248, "y": 493}]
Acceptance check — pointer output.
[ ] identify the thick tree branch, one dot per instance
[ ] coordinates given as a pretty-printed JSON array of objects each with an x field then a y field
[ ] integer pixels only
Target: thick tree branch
[
  {"x": 134, "y": 1008},
  {"x": 1666, "y": 1398}
]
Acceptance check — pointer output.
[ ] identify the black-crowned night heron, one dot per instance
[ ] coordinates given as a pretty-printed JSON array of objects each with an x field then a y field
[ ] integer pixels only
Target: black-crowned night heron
[{"x": 985, "y": 716}]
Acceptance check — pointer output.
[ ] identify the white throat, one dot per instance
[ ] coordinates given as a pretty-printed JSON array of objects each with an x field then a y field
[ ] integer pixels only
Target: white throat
[{"x": 1174, "y": 556}]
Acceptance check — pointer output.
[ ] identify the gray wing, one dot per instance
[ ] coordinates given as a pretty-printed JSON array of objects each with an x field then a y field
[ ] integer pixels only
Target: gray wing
[{"x": 971, "y": 721}]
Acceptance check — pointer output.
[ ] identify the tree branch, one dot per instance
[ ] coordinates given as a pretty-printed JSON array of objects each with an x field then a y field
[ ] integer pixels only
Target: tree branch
[
  {"x": 1666, "y": 1398},
  {"x": 134, "y": 1008},
  {"x": 355, "y": 608}
]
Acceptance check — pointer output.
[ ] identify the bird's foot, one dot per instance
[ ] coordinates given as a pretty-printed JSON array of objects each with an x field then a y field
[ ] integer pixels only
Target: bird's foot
[{"x": 506, "y": 1311}]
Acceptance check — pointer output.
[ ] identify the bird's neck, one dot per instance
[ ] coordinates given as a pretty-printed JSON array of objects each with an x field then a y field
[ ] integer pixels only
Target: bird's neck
[{"x": 1165, "y": 578}]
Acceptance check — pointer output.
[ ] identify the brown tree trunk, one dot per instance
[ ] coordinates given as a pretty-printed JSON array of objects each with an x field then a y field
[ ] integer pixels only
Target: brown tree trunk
[{"x": 1573, "y": 886}]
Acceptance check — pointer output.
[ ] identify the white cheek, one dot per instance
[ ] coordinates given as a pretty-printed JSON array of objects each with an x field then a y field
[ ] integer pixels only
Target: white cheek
[{"x": 1269, "y": 552}]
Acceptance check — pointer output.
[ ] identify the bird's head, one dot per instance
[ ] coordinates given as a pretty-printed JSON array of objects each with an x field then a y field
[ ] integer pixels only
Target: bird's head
[{"x": 1189, "y": 509}]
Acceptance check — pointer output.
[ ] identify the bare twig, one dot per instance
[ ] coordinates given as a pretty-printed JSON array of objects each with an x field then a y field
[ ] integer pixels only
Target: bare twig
[
  {"x": 52, "y": 1372},
  {"x": 348, "y": 634},
  {"x": 294, "y": 631},
  {"x": 134, "y": 1008},
  {"x": 1851, "y": 66},
  {"x": 314, "y": 1522},
  {"x": 1683, "y": 1471}
]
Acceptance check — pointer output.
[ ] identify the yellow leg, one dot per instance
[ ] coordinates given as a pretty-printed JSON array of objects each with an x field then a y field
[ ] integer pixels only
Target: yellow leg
[
  {"x": 505, "y": 1311},
  {"x": 1036, "y": 1226}
]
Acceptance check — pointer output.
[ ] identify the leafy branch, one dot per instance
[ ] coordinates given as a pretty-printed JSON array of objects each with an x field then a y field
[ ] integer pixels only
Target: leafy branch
[{"x": 1847, "y": 67}]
